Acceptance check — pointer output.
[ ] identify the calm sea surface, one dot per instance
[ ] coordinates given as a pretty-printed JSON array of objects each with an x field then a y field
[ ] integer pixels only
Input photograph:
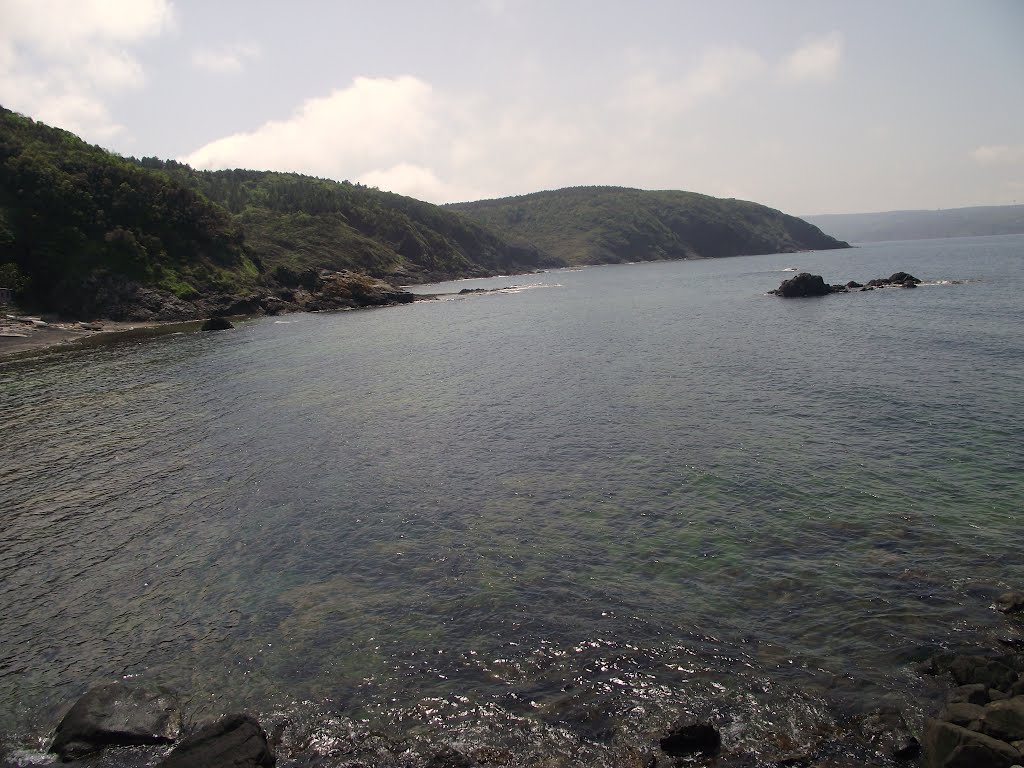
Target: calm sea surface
[{"x": 546, "y": 521}]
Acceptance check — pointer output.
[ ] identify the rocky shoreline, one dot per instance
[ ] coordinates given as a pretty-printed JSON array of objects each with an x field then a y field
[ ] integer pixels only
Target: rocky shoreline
[
  {"x": 313, "y": 291},
  {"x": 981, "y": 725}
]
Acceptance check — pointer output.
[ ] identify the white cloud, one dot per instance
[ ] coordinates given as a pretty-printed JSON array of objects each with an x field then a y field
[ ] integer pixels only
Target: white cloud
[
  {"x": 402, "y": 135},
  {"x": 53, "y": 26},
  {"x": 227, "y": 61},
  {"x": 399, "y": 134},
  {"x": 419, "y": 182},
  {"x": 372, "y": 124},
  {"x": 999, "y": 154},
  {"x": 58, "y": 60},
  {"x": 111, "y": 69},
  {"x": 718, "y": 70},
  {"x": 494, "y": 7},
  {"x": 818, "y": 60}
]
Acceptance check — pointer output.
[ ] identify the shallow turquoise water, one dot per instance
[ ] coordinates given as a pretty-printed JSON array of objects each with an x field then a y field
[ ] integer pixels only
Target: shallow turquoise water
[{"x": 547, "y": 520}]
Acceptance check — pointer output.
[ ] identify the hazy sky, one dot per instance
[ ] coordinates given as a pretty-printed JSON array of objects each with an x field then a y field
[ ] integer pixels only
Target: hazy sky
[{"x": 810, "y": 107}]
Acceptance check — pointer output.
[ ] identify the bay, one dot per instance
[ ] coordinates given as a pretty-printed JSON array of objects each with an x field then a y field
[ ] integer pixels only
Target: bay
[{"x": 546, "y": 520}]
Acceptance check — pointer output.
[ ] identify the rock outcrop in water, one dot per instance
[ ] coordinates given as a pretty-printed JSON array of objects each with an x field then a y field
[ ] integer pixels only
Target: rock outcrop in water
[
  {"x": 217, "y": 323},
  {"x": 805, "y": 284},
  {"x": 887, "y": 732},
  {"x": 1010, "y": 602},
  {"x": 235, "y": 741},
  {"x": 117, "y": 714},
  {"x": 685, "y": 739}
]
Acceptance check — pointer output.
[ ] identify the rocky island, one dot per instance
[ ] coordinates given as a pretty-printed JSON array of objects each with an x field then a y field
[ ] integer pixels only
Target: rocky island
[{"x": 805, "y": 284}]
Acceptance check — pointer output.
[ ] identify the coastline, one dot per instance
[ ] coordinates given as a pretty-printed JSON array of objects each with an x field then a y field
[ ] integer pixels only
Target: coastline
[{"x": 25, "y": 335}]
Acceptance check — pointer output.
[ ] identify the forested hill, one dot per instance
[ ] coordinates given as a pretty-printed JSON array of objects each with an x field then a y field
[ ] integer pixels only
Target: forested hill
[
  {"x": 924, "y": 225},
  {"x": 301, "y": 222},
  {"x": 592, "y": 225},
  {"x": 79, "y": 227},
  {"x": 87, "y": 233}
]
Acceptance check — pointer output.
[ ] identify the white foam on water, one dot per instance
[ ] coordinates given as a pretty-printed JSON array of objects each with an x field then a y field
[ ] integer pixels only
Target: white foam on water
[{"x": 527, "y": 287}]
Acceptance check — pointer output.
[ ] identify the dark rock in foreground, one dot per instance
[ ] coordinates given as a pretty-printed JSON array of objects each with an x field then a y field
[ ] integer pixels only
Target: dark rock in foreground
[
  {"x": 235, "y": 741},
  {"x": 217, "y": 324},
  {"x": 802, "y": 285},
  {"x": 982, "y": 723},
  {"x": 117, "y": 715},
  {"x": 691, "y": 738},
  {"x": 1010, "y": 602},
  {"x": 952, "y": 746},
  {"x": 887, "y": 732},
  {"x": 450, "y": 758}
]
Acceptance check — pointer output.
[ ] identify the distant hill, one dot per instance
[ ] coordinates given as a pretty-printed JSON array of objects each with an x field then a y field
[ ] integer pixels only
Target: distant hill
[
  {"x": 923, "y": 225},
  {"x": 596, "y": 225}
]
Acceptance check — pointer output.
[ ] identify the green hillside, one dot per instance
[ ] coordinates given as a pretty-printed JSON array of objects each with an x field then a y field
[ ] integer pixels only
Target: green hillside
[
  {"x": 300, "y": 222},
  {"x": 81, "y": 229},
  {"x": 87, "y": 233},
  {"x": 594, "y": 225}
]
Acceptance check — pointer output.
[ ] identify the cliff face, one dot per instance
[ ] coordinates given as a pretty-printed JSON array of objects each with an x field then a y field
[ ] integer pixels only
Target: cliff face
[{"x": 593, "y": 225}]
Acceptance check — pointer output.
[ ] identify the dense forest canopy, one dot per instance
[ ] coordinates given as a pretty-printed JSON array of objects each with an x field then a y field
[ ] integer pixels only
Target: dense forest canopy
[
  {"x": 301, "y": 222},
  {"x": 76, "y": 217}
]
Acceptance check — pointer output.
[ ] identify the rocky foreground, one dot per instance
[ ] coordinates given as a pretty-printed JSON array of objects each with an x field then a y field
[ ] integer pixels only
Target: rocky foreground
[{"x": 980, "y": 726}]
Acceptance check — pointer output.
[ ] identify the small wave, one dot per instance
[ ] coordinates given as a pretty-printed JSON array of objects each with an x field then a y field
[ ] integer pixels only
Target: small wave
[
  {"x": 30, "y": 757},
  {"x": 527, "y": 287}
]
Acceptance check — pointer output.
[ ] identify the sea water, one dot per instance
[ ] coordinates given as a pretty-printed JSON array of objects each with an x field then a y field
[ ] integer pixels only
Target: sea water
[{"x": 542, "y": 522}]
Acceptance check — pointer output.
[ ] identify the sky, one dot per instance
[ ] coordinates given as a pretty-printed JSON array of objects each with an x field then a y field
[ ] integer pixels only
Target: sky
[{"x": 810, "y": 107}]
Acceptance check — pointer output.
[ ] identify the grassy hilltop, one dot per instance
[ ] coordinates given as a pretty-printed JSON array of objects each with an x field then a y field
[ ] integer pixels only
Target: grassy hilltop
[{"x": 598, "y": 225}]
